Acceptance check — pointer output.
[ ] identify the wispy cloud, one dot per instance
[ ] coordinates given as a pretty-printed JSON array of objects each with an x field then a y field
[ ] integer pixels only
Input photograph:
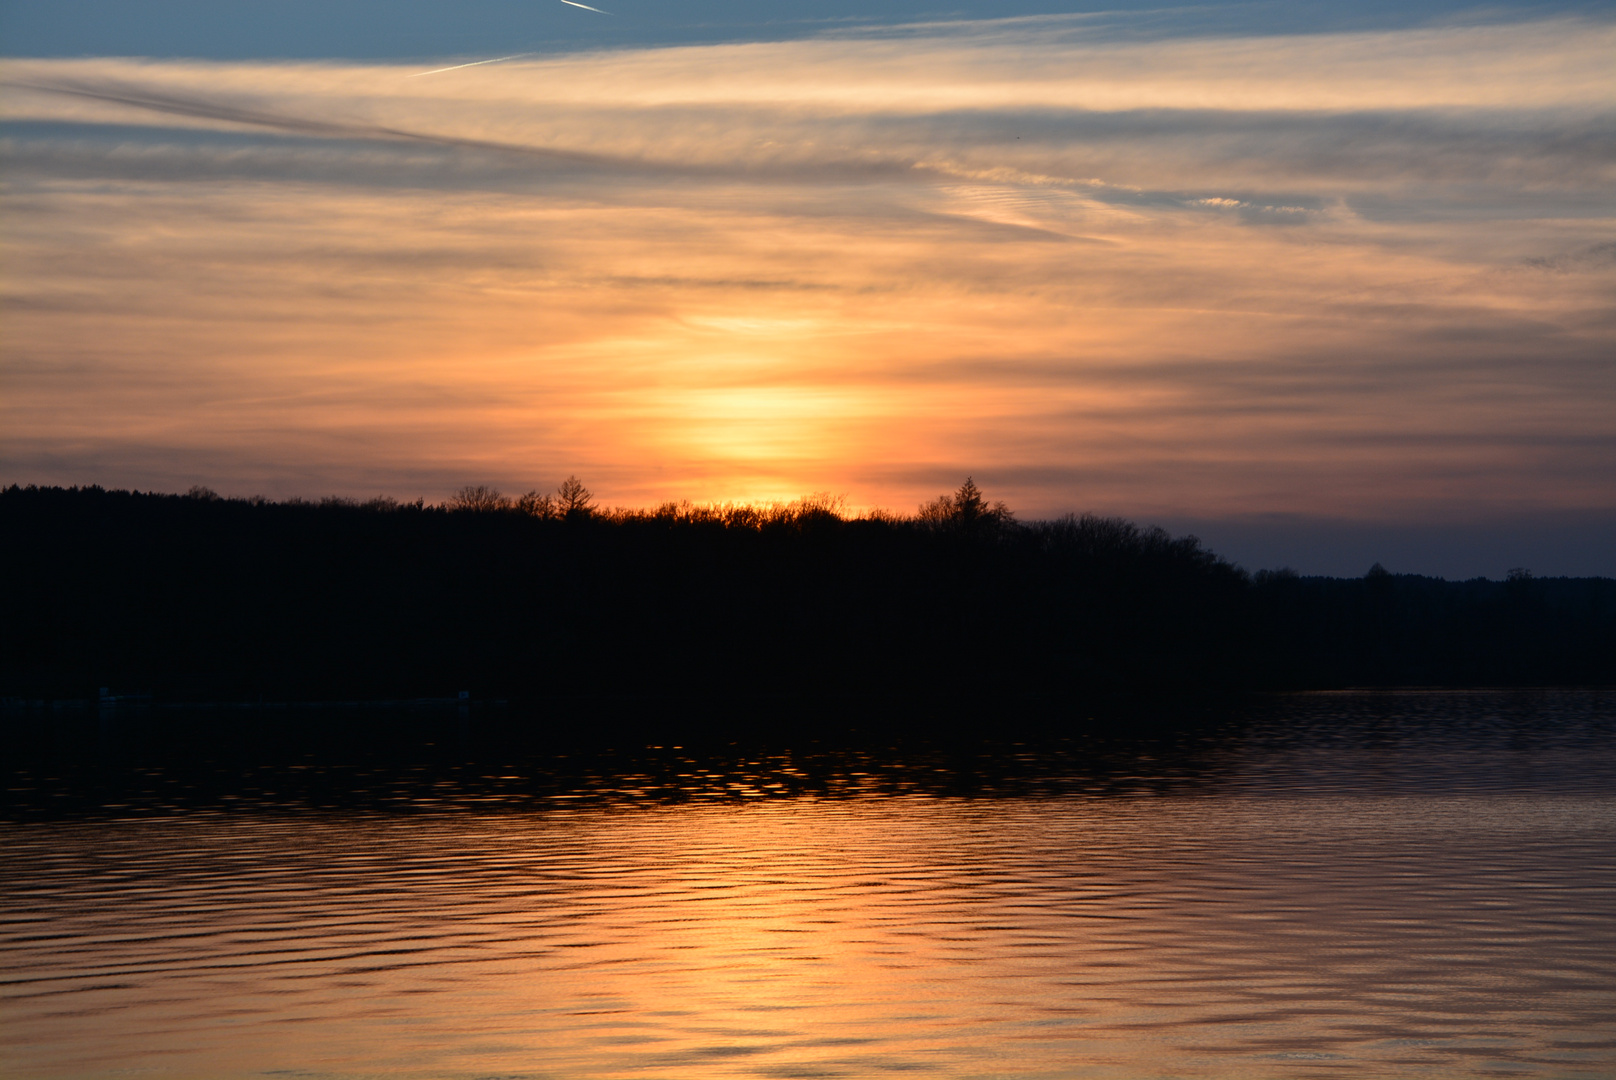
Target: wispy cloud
[
  {"x": 469, "y": 64},
  {"x": 1356, "y": 273}
]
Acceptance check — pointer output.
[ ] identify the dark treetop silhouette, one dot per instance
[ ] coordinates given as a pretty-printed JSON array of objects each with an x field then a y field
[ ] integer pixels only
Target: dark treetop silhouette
[{"x": 549, "y": 598}]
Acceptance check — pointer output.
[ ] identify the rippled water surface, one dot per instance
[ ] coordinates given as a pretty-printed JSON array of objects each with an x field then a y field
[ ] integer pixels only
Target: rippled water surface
[{"x": 1333, "y": 886}]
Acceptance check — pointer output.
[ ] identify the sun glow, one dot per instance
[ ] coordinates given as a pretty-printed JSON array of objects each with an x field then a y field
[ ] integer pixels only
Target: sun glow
[{"x": 747, "y": 272}]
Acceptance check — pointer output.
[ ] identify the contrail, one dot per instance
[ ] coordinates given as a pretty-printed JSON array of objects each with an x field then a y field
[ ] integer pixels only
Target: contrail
[
  {"x": 586, "y": 7},
  {"x": 474, "y": 63}
]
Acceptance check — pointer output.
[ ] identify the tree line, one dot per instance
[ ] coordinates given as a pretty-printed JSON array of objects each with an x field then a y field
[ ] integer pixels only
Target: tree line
[{"x": 556, "y": 602}]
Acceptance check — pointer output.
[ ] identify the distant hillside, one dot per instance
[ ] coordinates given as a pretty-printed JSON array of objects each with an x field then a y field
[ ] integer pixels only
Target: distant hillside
[{"x": 727, "y": 609}]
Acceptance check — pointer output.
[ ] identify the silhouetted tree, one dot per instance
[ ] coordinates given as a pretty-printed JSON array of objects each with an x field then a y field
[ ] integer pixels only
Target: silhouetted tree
[
  {"x": 479, "y": 498},
  {"x": 227, "y": 599},
  {"x": 542, "y": 507},
  {"x": 573, "y": 499},
  {"x": 966, "y": 511}
]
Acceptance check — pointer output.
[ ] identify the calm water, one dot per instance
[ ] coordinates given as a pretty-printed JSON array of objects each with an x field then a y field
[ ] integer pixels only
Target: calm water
[{"x": 1337, "y": 885}]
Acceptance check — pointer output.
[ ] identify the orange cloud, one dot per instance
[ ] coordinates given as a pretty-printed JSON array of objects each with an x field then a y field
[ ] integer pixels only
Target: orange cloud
[{"x": 1346, "y": 274}]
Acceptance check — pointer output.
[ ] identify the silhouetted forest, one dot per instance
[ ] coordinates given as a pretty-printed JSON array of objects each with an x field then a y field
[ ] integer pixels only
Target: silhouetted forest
[{"x": 546, "y": 600}]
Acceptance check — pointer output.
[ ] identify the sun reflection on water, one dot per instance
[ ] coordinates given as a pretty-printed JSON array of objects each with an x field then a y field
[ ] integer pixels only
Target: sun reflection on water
[{"x": 1077, "y": 937}]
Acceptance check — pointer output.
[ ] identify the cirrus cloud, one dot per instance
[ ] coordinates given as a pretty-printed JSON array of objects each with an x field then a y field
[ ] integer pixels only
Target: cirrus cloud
[{"x": 1333, "y": 274}]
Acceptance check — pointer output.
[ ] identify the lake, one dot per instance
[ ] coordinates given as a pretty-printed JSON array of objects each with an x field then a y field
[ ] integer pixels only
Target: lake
[{"x": 1374, "y": 885}]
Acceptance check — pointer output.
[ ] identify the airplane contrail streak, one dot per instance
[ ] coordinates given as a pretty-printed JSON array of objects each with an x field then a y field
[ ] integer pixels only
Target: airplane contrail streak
[
  {"x": 474, "y": 63},
  {"x": 586, "y": 7}
]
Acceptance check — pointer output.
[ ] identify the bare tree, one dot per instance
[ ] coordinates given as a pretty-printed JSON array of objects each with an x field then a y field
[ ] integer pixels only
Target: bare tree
[
  {"x": 480, "y": 498},
  {"x": 540, "y": 506},
  {"x": 573, "y": 499}
]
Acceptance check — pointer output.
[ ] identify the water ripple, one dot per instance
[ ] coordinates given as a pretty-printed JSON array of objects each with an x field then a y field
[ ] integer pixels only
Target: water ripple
[
  {"x": 1338, "y": 890},
  {"x": 1449, "y": 935}
]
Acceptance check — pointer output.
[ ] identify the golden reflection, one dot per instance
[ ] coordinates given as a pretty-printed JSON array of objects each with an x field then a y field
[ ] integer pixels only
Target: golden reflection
[{"x": 1111, "y": 938}]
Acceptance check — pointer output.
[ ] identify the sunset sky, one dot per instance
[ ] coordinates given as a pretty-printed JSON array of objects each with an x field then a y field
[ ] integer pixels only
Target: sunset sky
[{"x": 1324, "y": 284}]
